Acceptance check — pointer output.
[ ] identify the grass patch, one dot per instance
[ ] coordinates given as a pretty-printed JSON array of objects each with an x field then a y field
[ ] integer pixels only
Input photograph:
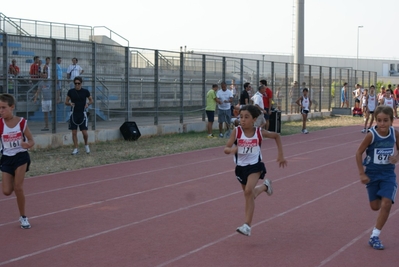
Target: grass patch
[{"x": 46, "y": 161}]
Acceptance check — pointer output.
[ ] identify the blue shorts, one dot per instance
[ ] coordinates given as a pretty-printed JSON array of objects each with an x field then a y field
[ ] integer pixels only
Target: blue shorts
[
  {"x": 242, "y": 172},
  {"x": 382, "y": 185},
  {"x": 211, "y": 115},
  {"x": 266, "y": 115},
  {"x": 10, "y": 163},
  {"x": 224, "y": 116}
]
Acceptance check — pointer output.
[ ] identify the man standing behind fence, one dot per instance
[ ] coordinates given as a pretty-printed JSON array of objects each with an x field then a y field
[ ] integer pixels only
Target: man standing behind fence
[
  {"x": 74, "y": 70},
  {"x": 224, "y": 98},
  {"x": 210, "y": 109}
]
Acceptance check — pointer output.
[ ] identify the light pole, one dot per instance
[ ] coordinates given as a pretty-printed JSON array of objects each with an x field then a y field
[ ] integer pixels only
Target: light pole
[{"x": 357, "y": 55}]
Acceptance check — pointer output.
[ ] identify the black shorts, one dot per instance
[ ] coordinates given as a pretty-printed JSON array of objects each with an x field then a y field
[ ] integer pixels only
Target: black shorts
[
  {"x": 78, "y": 120},
  {"x": 10, "y": 163},
  {"x": 304, "y": 111},
  {"x": 242, "y": 172},
  {"x": 211, "y": 115}
]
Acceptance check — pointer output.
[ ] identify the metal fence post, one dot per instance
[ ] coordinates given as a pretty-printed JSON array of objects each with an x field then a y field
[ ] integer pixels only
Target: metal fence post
[
  {"x": 286, "y": 88},
  {"x": 127, "y": 85},
  {"x": 181, "y": 86},
  {"x": 156, "y": 85},
  {"x": 203, "y": 86},
  {"x": 93, "y": 83},
  {"x": 330, "y": 86}
]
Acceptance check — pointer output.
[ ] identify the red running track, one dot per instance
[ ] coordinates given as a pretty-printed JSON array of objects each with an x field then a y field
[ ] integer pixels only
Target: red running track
[{"x": 183, "y": 209}]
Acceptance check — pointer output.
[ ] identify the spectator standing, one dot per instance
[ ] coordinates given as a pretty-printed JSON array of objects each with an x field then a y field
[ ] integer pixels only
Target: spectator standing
[
  {"x": 344, "y": 96},
  {"x": 257, "y": 99},
  {"x": 244, "y": 97},
  {"x": 279, "y": 98},
  {"x": 13, "y": 69},
  {"x": 34, "y": 68},
  {"x": 16, "y": 139},
  {"x": 396, "y": 96},
  {"x": 45, "y": 92},
  {"x": 293, "y": 98},
  {"x": 267, "y": 102},
  {"x": 74, "y": 70},
  {"x": 224, "y": 98},
  {"x": 79, "y": 99},
  {"x": 210, "y": 108}
]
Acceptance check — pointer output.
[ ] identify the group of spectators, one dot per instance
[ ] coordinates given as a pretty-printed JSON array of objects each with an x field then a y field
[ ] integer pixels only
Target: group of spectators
[
  {"x": 225, "y": 100},
  {"x": 77, "y": 97}
]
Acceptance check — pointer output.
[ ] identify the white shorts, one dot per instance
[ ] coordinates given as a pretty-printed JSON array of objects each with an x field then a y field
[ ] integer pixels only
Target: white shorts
[{"x": 46, "y": 105}]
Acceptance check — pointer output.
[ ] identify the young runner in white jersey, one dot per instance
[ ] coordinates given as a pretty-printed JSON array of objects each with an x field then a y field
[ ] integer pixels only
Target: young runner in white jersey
[
  {"x": 388, "y": 99},
  {"x": 245, "y": 142},
  {"x": 371, "y": 105},
  {"x": 16, "y": 139},
  {"x": 305, "y": 103}
]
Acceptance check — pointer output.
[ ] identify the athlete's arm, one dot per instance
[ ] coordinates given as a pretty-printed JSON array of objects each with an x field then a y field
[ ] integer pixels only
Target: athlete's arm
[{"x": 359, "y": 153}]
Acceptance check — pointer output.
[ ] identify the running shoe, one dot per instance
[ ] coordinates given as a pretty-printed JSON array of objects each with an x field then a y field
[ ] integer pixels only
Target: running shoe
[
  {"x": 364, "y": 130},
  {"x": 221, "y": 135},
  {"x": 244, "y": 229},
  {"x": 87, "y": 149},
  {"x": 24, "y": 222},
  {"x": 75, "y": 151},
  {"x": 269, "y": 189},
  {"x": 305, "y": 131},
  {"x": 375, "y": 243}
]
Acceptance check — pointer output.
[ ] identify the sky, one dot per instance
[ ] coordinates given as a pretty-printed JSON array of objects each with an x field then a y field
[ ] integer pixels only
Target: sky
[{"x": 265, "y": 27}]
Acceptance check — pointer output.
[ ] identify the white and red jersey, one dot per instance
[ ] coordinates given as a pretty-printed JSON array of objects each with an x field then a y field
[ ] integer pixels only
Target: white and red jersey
[
  {"x": 248, "y": 152},
  {"x": 11, "y": 138},
  {"x": 389, "y": 102},
  {"x": 371, "y": 102}
]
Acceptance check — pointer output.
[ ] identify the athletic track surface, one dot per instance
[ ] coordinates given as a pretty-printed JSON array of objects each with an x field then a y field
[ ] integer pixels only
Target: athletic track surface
[{"x": 183, "y": 210}]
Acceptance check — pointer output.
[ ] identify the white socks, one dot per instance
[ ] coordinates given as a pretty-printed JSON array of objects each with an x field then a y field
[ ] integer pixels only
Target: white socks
[{"x": 375, "y": 232}]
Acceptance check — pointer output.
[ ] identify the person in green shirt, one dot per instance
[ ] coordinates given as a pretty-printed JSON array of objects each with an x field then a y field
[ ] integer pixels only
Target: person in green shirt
[{"x": 210, "y": 108}]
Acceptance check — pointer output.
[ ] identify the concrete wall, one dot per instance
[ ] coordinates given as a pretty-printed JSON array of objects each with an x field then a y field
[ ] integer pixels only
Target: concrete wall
[{"x": 65, "y": 139}]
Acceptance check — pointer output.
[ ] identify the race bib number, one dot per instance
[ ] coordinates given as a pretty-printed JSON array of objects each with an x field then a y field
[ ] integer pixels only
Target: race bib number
[
  {"x": 12, "y": 140},
  {"x": 381, "y": 155},
  {"x": 247, "y": 146}
]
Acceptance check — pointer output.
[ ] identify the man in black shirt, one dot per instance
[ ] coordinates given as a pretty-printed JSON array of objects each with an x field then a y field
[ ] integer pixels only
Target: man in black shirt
[
  {"x": 77, "y": 99},
  {"x": 244, "y": 97}
]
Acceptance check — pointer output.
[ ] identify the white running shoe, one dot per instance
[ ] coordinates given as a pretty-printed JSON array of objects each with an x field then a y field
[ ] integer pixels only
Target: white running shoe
[
  {"x": 269, "y": 190},
  {"x": 87, "y": 149},
  {"x": 244, "y": 229},
  {"x": 75, "y": 151},
  {"x": 24, "y": 222},
  {"x": 364, "y": 130},
  {"x": 305, "y": 131}
]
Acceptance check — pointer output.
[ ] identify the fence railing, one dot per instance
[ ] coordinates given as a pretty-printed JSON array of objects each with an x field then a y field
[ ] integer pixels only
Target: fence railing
[{"x": 129, "y": 83}]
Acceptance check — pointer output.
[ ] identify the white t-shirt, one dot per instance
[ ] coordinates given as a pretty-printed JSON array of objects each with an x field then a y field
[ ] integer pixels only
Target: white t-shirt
[
  {"x": 74, "y": 70},
  {"x": 258, "y": 100},
  {"x": 222, "y": 96}
]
